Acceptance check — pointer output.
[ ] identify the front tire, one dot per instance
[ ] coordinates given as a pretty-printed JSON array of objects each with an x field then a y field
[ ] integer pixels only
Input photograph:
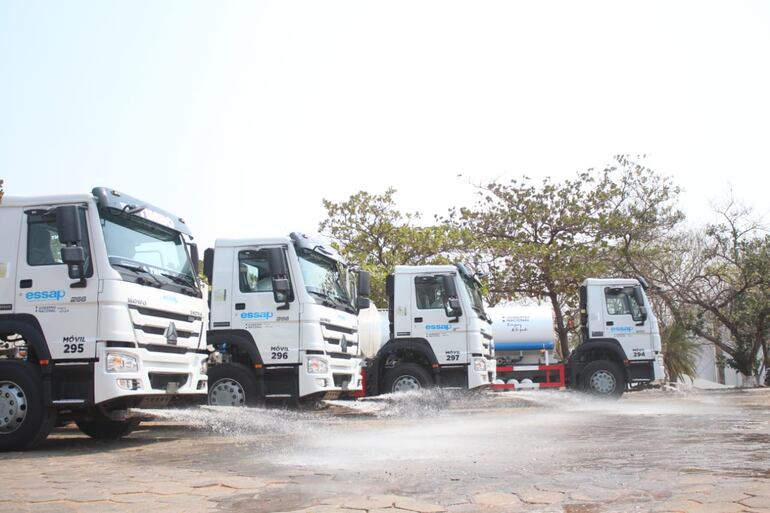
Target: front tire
[
  {"x": 603, "y": 378},
  {"x": 407, "y": 377},
  {"x": 233, "y": 384},
  {"x": 102, "y": 427},
  {"x": 25, "y": 420}
]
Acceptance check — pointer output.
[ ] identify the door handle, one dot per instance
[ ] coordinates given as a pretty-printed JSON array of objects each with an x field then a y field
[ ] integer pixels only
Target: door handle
[
  {"x": 418, "y": 319},
  {"x": 610, "y": 323},
  {"x": 240, "y": 306},
  {"x": 25, "y": 284}
]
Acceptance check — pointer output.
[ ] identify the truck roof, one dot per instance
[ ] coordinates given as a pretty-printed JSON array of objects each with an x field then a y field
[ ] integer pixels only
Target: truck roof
[
  {"x": 611, "y": 281},
  {"x": 32, "y": 201},
  {"x": 254, "y": 241},
  {"x": 419, "y": 269}
]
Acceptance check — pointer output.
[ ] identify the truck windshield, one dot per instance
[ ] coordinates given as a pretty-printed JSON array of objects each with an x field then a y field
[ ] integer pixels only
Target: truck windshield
[
  {"x": 473, "y": 288},
  {"x": 325, "y": 277},
  {"x": 147, "y": 252}
]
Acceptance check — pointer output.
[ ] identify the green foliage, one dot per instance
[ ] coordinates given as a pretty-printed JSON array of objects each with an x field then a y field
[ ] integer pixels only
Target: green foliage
[
  {"x": 716, "y": 282},
  {"x": 680, "y": 350},
  {"x": 371, "y": 232},
  {"x": 2, "y": 191},
  {"x": 540, "y": 240}
]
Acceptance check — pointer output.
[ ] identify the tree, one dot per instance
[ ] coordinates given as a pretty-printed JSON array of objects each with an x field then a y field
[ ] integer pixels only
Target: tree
[
  {"x": 716, "y": 282},
  {"x": 372, "y": 233},
  {"x": 2, "y": 191},
  {"x": 542, "y": 240}
]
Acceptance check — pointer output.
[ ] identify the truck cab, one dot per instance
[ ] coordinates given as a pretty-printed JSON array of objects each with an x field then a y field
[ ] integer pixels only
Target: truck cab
[
  {"x": 100, "y": 311},
  {"x": 438, "y": 332},
  {"x": 283, "y": 321},
  {"x": 620, "y": 340}
]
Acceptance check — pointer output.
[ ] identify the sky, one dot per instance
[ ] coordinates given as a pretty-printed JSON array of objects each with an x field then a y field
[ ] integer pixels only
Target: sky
[{"x": 242, "y": 116}]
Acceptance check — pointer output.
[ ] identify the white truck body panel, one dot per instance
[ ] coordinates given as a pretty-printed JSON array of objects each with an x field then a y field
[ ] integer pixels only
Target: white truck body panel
[{"x": 78, "y": 323}]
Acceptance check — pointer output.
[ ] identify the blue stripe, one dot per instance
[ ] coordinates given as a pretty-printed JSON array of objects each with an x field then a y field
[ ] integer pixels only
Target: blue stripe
[{"x": 523, "y": 346}]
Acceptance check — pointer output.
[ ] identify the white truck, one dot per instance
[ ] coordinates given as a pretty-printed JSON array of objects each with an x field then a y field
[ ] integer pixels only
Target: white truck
[
  {"x": 284, "y": 321},
  {"x": 100, "y": 311},
  {"x": 435, "y": 332},
  {"x": 620, "y": 346}
]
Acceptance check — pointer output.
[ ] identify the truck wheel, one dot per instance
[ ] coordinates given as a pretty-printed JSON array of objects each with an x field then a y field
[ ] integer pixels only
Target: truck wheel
[
  {"x": 603, "y": 378},
  {"x": 25, "y": 420},
  {"x": 406, "y": 377},
  {"x": 104, "y": 428},
  {"x": 232, "y": 384}
]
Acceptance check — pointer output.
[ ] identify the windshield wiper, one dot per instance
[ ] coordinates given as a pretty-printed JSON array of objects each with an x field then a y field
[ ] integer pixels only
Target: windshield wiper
[
  {"x": 325, "y": 299},
  {"x": 181, "y": 280},
  {"x": 135, "y": 268}
]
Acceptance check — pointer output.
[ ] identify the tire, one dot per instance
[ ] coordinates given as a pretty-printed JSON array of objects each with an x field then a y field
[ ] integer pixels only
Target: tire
[
  {"x": 25, "y": 419},
  {"x": 104, "y": 428},
  {"x": 233, "y": 384},
  {"x": 406, "y": 377},
  {"x": 603, "y": 378}
]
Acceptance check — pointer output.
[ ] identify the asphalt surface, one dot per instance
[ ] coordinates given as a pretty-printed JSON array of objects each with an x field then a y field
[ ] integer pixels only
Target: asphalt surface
[{"x": 432, "y": 451}]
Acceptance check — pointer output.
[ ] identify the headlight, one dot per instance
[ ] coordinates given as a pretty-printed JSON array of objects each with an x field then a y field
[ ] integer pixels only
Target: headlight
[
  {"x": 204, "y": 367},
  {"x": 479, "y": 364},
  {"x": 317, "y": 365},
  {"x": 119, "y": 362}
]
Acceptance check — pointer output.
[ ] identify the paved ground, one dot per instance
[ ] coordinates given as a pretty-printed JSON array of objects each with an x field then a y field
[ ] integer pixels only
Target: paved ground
[{"x": 538, "y": 451}]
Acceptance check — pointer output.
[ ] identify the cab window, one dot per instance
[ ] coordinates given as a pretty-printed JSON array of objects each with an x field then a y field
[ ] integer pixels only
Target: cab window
[
  {"x": 429, "y": 292},
  {"x": 621, "y": 301},
  {"x": 43, "y": 246},
  {"x": 254, "y": 274}
]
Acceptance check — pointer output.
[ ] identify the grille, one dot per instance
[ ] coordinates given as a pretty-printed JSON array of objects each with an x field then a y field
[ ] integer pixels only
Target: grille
[
  {"x": 342, "y": 380},
  {"x": 160, "y": 381}
]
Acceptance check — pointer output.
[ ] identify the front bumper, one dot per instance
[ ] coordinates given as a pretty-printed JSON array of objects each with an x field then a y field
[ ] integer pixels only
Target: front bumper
[
  {"x": 485, "y": 377},
  {"x": 343, "y": 376},
  {"x": 658, "y": 369},
  {"x": 158, "y": 375}
]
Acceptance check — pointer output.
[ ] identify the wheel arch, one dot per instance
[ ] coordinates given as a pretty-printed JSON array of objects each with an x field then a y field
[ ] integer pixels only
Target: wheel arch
[
  {"x": 29, "y": 328},
  {"x": 594, "y": 350},
  {"x": 240, "y": 339}
]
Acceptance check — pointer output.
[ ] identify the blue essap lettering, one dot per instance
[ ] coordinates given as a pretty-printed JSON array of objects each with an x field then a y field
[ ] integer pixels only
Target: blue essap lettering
[
  {"x": 45, "y": 295},
  {"x": 441, "y": 327},
  {"x": 256, "y": 315}
]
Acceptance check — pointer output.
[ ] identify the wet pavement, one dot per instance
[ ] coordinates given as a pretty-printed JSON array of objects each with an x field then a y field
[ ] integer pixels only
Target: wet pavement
[{"x": 425, "y": 452}]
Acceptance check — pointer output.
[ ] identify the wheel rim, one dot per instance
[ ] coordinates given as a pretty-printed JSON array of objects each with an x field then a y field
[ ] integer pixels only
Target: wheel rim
[
  {"x": 406, "y": 384},
  {"x": 13, "y": 407},
  {"x": 227, "y": 392},
  {"x": 603, "y": 382}
]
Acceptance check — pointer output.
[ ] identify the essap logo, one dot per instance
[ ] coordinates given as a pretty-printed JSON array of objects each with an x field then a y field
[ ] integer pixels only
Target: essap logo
[
  {"x": 622, "y": 329},
  {"x": 257, "y": 315},
  {"x": 438, "y": 327},
  {"x": 45, "y": 295}
]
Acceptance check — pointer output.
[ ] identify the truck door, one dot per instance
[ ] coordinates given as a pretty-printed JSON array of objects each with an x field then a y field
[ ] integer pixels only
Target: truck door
[
  {"x": 274, "y": 326},
  {"x": 446, "y": 335},
  {"x": 626, "y": 322},
  {"x": 44, "y": 287}
]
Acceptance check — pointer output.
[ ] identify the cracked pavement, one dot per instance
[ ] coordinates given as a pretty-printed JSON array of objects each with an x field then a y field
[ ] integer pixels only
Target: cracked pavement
[{"x": 430, "y": 452}]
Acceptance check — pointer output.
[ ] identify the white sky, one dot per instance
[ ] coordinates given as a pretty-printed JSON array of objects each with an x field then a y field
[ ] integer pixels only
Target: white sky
[{"x": 242, "y": 116}]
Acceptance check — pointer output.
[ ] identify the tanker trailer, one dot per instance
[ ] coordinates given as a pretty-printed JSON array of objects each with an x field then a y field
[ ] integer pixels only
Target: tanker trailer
[{"x": 524, "y": 343}]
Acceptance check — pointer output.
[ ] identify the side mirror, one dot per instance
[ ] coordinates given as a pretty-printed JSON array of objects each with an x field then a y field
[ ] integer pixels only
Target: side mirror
[
  {"x": 281, "y": 292},
  {"x": 449, "y": 285},
  {"x": 70, "y": 238},
  {"x": 194, "y": 257},
  {"x": 68, "y": 225},
  {"x": 364, "y": 286},
  {"x": 454, "y": 308},
  {"x": 277, "y": 263},
  {"x": 208, "y": 265},
  {"x": 73, "y": 255},
  {"x": 362, "y": 303}
]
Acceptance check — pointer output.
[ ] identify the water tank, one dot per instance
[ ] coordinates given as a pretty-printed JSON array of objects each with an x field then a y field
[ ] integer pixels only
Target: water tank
[
  {"x": 522, "y": 328},
  {"x": 373, "y": 330}
]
